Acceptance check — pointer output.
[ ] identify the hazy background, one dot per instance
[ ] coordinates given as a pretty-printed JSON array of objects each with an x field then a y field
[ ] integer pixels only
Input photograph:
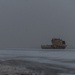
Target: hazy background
[{"x": 30, "y": 23}]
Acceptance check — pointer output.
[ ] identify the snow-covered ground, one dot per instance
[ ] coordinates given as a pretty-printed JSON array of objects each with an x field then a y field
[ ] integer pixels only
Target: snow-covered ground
[{"x": 63, "y": 58}]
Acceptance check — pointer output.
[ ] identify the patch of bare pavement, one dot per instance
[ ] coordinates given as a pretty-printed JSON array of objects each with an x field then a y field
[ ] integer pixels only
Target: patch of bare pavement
[{"x": 20, "y": 67}]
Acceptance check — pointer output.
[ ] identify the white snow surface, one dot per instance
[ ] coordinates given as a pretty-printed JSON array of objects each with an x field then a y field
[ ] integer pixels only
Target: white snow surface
[{"x": 64, "y": 57}]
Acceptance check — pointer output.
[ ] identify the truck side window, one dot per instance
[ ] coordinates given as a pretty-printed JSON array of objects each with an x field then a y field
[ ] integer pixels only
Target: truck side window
[{"x": 63, "y": 42}]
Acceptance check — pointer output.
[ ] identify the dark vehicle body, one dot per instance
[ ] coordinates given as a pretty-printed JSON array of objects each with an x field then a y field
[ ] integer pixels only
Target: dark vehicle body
[{"x": 56, "y": 44}]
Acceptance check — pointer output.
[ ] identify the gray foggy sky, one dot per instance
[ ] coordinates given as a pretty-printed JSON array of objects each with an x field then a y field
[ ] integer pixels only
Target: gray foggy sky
[{"x": 30, "y": 23}]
